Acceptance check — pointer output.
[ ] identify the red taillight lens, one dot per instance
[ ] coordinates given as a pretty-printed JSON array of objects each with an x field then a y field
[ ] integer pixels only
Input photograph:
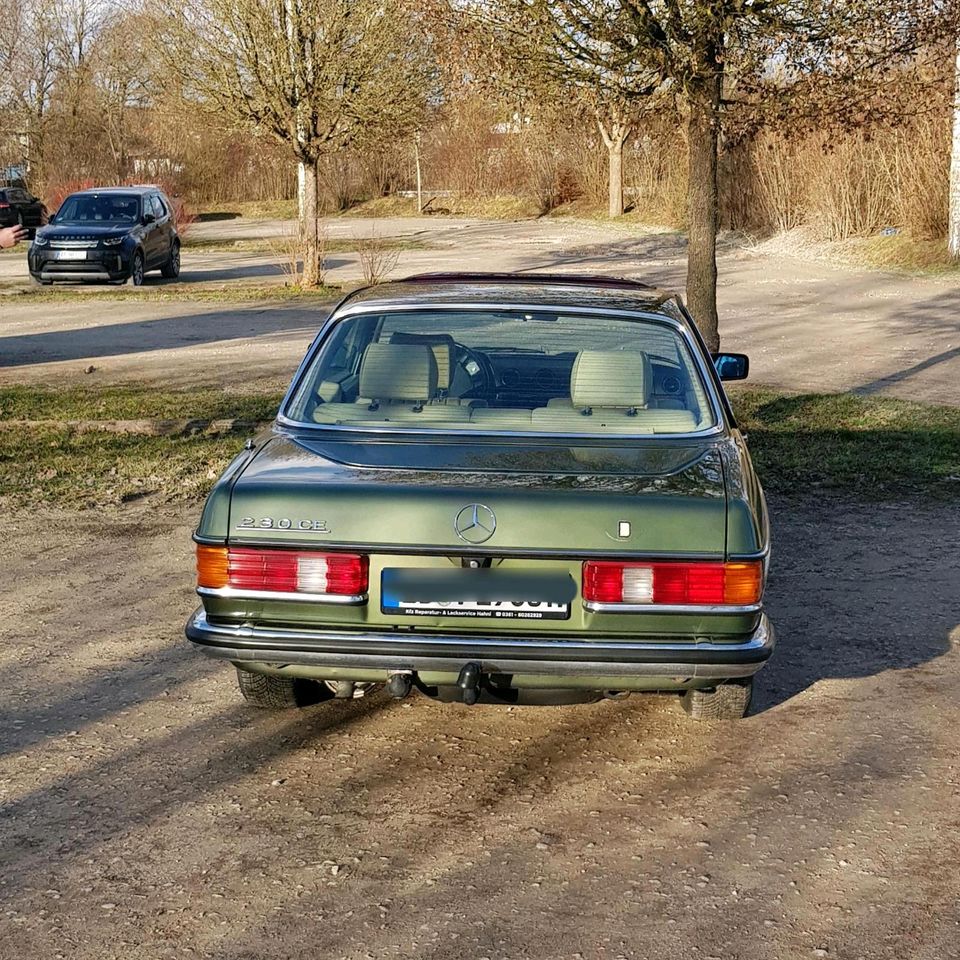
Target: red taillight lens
[
  {"x": 4, "y": 206},
  {"x": 287, "y": 571},
  {"x": 733, "y": 584}
]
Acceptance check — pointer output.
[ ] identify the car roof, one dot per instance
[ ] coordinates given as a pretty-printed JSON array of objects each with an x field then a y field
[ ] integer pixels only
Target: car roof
[
  {"x": 137, "y": 188},
  {"x": 563, "y": 290}
]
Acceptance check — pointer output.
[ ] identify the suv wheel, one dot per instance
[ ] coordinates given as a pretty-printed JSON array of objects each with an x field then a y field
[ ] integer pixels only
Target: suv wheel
[
  {"x": 279, "y": 693},
  {"x": 136, "y": 270},
  {"x": 171, "y": 269},
  {"x": 727, "y": 701}
]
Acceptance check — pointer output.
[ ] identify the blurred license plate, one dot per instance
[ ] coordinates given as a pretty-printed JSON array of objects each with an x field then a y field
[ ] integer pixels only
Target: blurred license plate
[
  {"x": 71, "y": 254},
  {"x": 476, "y": 593}
]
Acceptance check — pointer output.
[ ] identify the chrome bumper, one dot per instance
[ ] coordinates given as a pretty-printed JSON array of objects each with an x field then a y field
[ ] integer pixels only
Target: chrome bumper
[{"x": 538, "y": 655}]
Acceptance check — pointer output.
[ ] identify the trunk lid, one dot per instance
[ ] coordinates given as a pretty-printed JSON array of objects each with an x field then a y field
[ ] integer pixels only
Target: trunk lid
[{"x": 405, "y": 497}]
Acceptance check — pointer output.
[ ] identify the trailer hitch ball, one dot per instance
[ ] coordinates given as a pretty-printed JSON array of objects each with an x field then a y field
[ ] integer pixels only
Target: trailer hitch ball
[{"x": 469, "y": 683}]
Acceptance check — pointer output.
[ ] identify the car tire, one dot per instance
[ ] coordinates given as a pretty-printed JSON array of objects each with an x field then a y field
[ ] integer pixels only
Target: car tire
[
  {"x": 726, "y": 701},
  {"x": 268, "y": 692},
  {"x": 171, "y": 269},
  {"x": 137, "y": 270}
]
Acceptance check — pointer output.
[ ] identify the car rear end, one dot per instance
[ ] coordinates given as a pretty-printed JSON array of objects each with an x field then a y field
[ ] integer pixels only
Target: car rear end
[{"x": 491, "y": 566}]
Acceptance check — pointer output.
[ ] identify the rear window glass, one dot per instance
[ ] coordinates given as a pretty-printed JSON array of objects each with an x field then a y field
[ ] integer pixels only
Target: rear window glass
[{"x": 505, "y": 371}]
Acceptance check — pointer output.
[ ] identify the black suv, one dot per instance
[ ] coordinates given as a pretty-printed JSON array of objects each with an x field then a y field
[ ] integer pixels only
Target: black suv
[
  {"x": 114, "y": 233},
  {"x": 19, "y": 206}
]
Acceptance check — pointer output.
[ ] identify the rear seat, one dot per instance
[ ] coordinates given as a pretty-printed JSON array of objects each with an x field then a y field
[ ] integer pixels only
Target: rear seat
[
  {"x": 610, "y": 390},
  {"x": 397, "y": 384}
]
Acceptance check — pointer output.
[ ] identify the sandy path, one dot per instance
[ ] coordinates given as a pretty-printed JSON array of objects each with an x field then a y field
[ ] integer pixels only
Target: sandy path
[
  {"x": 146, "y": 813},
  {"x": 807, "y": 326}
]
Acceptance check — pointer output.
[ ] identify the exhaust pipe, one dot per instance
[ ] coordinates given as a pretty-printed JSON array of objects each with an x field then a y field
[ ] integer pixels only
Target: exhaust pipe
[{"x": 399, "y": 684}]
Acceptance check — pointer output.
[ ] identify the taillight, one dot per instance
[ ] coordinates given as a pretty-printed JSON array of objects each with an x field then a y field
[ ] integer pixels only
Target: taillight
[
  {"x": 282, "y": 571},
  {"x": 673, "y": 584},
  {"x": 4, "y": 206}
]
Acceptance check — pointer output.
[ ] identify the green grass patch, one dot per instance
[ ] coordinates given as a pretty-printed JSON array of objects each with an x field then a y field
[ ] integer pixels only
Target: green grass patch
[
  {"x": 903, "y": 252},
  {"x": 251, "y": 209},
  {"x": 171, "y": 293},
  {"x": 64, "y": 467},
  {"x": 127, "y": 403},
  {"x": 861, "y": 446},
  {"x": 274, "y": 245}
]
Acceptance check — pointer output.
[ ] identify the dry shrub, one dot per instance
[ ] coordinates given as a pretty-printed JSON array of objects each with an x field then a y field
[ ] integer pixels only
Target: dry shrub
[
  {"x": 655, "y": 165},
  {"x": 378, "y": 258}
]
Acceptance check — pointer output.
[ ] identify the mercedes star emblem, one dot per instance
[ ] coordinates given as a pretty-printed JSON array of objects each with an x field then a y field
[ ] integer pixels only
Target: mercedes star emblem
[{"x": 475, "y": 523}]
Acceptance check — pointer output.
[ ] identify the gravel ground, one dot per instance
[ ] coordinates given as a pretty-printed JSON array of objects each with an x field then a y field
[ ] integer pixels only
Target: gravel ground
[{"x": 147, "y": 813}]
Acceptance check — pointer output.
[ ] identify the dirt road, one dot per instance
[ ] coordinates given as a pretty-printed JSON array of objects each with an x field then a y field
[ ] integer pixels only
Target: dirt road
[
  {"x": 806, "y": 326},
  {"x": 146, "y": 813}
]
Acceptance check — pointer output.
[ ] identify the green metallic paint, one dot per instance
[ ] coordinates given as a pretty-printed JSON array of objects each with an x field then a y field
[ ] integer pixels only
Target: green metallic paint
[{"x": 557, "y": 502}]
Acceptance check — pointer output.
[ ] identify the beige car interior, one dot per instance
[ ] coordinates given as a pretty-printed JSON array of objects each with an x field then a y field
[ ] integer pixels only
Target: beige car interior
[{"x": 407, "y": 383}]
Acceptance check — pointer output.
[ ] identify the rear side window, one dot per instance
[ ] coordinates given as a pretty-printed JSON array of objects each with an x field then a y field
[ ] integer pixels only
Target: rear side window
[
  {"x": 158, "y": 207},
  {"x": 506, "y": 371}
]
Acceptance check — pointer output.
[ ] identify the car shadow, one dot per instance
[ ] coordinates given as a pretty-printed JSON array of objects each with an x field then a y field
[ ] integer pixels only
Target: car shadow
[{"x": 858, "y": 588}]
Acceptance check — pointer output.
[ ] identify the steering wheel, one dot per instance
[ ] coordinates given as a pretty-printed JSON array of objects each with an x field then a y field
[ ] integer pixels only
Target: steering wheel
[{"x": 479, "y": 369}]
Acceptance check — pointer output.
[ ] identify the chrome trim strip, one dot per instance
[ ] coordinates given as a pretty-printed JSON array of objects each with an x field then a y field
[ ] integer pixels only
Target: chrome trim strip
[
  {"x": 231, "y": 593},
  {"x": 216, "y": 640},
  {"x": 719, "y": 429},
  {"x": 595, "y": 606}
]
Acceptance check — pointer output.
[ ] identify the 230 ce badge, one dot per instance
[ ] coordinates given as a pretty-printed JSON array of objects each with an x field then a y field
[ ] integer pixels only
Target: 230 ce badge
[{"x": 283, "y": 523}]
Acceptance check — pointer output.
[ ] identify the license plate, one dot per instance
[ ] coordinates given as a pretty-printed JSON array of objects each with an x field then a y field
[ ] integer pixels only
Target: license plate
[
  {"x": 483, "y": 593},
  {"x": 71, "y": 254}
]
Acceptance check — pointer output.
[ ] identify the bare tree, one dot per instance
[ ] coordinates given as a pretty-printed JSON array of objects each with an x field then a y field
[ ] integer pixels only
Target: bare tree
[
  {"x": 311, "y": 74},
  {"x": 703, "y": 51}
]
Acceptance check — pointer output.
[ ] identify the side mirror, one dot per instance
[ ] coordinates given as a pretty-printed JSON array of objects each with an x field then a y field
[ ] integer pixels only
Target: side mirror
[
  {"x": 731, "y": 366},
  {"x": 149, "y": 218}
]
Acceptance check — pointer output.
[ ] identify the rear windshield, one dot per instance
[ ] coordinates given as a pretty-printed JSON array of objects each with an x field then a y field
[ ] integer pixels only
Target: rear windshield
[
  {"x": 100, "y": 208},
  {"x": 505, "y": 371}
]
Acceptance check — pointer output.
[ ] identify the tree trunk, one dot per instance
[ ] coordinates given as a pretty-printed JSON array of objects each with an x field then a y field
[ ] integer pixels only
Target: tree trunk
[
  {"x": 310, "y": 228},
  {"x": 703, "y": 204},
  {"x": 614, "y": 140},
  {"x": 953, "y": 228}
]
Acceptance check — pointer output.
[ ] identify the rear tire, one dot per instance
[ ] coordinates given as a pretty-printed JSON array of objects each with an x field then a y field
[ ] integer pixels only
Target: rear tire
[
  {"x": 268, "y": 692},
  {"x": 727, "y": 701}
]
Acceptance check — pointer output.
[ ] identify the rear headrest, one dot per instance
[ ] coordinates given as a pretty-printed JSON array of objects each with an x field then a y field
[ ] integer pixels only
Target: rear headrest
[
  {"x": 398, "y": 371},
  {"x": 442, "y": 346},
  {"x": 619, "y": 378}
]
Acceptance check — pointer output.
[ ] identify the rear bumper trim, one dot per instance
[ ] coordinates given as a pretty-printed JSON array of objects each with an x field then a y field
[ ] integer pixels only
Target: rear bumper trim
[{"x": 404, "y": 651}]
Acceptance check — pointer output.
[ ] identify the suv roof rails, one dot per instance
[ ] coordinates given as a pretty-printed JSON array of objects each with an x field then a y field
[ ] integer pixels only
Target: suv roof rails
[{"x": 567, "y": 279}]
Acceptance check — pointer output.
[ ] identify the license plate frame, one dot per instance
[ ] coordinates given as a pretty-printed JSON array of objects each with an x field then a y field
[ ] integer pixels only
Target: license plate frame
[{"x": 477, "y": 601}]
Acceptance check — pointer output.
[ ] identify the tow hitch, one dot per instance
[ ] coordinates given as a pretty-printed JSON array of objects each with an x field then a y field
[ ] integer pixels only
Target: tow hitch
[{"x": 469, "y": 683}]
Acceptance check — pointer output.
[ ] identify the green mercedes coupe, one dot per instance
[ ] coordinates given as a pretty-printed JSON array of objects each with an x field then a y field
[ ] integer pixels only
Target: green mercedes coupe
[{"x": 498, "y": 488}]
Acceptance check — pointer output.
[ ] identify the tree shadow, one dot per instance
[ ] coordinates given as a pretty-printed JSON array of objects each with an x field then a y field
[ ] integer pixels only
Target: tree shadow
[{"x": 243, "y": 321}]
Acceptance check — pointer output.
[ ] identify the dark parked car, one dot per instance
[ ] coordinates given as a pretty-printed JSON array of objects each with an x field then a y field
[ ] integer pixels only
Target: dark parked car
[
  {"x": 511, "y": 488},
  {"x": 19, "y": 206},
  {"x": 116, "y": 234}
]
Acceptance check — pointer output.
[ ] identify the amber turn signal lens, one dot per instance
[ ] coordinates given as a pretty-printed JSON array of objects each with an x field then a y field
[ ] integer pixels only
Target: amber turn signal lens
[
  {"x": 742, "y": 583},
  {"x": 212, "y": 566}
]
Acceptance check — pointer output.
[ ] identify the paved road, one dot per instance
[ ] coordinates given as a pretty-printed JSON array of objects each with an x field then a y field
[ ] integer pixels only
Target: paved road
[
  {"x": 807, "y": 326},
  {"x": 146, "y": 813}
]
